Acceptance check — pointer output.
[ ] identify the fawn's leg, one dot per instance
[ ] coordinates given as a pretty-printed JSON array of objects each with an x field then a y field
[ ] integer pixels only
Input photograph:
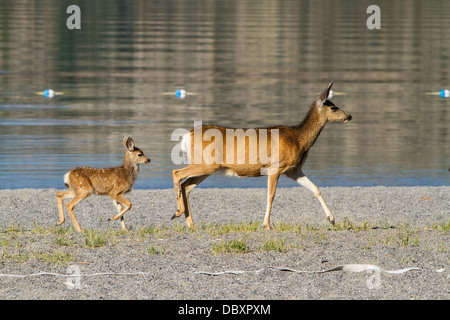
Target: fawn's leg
[
  {"x": 71, "y": 205},
  {"x": 120, "y": 198},
  {"x": 60, "y": 195},
  {"x": 119, "y": 208}
]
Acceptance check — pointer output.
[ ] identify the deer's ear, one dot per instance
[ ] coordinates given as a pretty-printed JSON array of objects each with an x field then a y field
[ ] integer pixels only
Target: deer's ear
[
  {"x": 324, "y": 95},
  {"x": 128, "y": 143}
]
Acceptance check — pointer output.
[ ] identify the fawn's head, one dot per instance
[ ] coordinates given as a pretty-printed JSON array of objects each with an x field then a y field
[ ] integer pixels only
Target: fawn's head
[
  {"x": 135, "y": 155},
  {"x": 327, "y": 108}
]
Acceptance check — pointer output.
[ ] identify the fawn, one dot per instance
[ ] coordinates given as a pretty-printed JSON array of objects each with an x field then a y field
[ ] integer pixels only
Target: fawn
[
  {"x": 292, "y": 146},
  {"x": 114, "y": 182}
]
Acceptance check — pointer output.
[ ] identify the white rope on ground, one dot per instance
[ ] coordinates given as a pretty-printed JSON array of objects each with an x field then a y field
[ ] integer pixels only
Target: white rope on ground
[
  {"x": 344, "y": 268},
  {"x": 347, "y": 268}
]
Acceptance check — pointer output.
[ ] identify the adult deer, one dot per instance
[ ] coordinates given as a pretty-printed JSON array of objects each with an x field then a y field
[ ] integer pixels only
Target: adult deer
[
  {"x": 292, "y": 144},
  {"x": 114, "y": 182}
]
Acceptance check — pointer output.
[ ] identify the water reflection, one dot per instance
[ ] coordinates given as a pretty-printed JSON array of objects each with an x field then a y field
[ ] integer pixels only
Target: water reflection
[{"x": 252, "y": 63}]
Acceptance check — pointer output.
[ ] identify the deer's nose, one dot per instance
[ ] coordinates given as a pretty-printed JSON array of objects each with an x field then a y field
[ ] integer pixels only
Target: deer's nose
[
  {"x": 148, "y": 160},
  {"x": 349, "y": 117}
]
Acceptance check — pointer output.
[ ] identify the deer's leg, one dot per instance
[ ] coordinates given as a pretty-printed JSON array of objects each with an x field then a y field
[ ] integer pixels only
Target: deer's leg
[
  {"x": 272, "y": 182},
  {"x": 119, "y": 209},
  {"x": 186, "y": 189},
  {"x": 188, "y": 172},
  {"x": 60, "y": 195},
  {"x": 178, "y": 176},
  {"x": 118, "y": 205},
  {"x": 71, "y": 205},
  {"x": 120, "y": 198},
  {"x": 302, "y": 180}
]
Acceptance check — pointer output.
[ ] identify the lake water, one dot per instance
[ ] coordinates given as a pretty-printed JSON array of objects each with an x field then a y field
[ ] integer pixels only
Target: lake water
[{"x": 250, "y": 63}]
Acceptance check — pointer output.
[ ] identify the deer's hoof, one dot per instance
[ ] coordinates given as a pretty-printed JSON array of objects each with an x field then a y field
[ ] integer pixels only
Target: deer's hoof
[
  {"x": 176, "y": 214},
  {"x": 332, "y": 221},
  {"x": 266, "y": 226}
]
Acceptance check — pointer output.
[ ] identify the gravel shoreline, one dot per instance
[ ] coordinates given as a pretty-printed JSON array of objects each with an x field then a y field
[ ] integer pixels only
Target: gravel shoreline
[{"x": 390, "y": 227}]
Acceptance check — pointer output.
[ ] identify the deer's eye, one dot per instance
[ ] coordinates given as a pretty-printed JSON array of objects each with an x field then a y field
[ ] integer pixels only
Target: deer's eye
[
  {"x": 334, "y": 109},
  {"x": 140, "y": 155}
]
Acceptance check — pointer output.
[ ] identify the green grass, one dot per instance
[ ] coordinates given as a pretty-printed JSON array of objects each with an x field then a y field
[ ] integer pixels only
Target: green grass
[
  {"x": 156, "y": 250},
  {"x": 286, "y": 227},
  {"x": 20, "y": 256},
  {"x": 5, "y": 242},
  {"x": 231, "y": 246},
  {"x": 260, "y": 245},
  {"x": 278, "y": 245},
  {"x": 57, "y": 257},
  {"x": 402, "y": 238},
  {"x": 443, "y": 227},
  {"x": 407, "y": 238},
  {"x": 214, "y": 229},
  {"x": 61, "y": 230},
  {"x": 95, "y": 238},
  {"x": 64, "y": 241},
  {"x": 246, "y": 236},
  {"x": 13, "y": 228},
  {"x": 160, "y": 231}
]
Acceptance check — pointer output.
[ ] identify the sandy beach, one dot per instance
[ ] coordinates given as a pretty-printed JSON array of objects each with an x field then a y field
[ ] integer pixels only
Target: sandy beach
[{"x": 392, "y": 228}]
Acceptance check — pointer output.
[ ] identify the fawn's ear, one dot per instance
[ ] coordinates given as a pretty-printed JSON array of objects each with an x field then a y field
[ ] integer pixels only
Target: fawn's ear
[
  {"x": 324, "y": 95},
  {"x": 128, "y": 143}
]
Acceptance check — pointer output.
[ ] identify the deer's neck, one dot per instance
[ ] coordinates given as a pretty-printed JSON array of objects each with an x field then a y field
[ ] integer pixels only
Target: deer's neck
[
  {"x": 131, "y": 169},
  {"x": 310, "y": 128}
]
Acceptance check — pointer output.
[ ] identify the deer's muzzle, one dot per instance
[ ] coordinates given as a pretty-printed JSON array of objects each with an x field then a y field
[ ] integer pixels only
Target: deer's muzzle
[{"x": 348, "y": 118}]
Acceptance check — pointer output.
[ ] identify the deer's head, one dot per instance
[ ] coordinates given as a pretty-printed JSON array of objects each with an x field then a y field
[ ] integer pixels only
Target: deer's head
[
  {"x": 328, "y": 110},
  {"x": 135, "y": 155}
]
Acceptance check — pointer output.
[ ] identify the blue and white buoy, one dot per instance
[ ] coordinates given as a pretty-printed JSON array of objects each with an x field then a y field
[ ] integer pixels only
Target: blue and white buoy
[
  {"x": 444, "y": 93},
  {"x": 49, "y": 93},
  {"x": 180, "y": 94}
]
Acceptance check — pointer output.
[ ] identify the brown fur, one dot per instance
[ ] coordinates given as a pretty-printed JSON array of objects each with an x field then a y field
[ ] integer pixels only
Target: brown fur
[
  {"x": 294, "y": 145},
  {"x": 114, "y": 182}
]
